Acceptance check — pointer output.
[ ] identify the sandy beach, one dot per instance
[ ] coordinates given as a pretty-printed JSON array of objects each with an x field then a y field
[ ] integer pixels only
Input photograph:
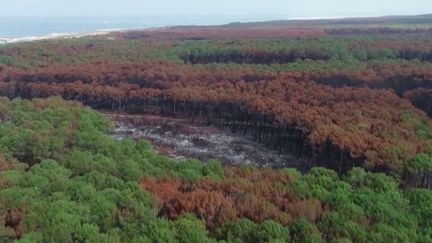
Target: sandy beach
[{"x": 56, "y": 36}]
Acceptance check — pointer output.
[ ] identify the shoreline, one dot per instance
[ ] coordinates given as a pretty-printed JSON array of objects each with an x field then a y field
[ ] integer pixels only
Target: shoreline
[
  {"x": 9, "y": 40},
  {"x": 71, "y": 35},
  {"x": 99, "y": 32}
]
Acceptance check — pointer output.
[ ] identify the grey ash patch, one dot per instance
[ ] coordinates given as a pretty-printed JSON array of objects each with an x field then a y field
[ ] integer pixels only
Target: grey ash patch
[{"x": 179, "y": 140}]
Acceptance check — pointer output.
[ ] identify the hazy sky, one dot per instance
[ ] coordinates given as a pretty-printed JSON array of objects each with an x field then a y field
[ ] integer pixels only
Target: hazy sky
[{"x": 286, "y": 8}]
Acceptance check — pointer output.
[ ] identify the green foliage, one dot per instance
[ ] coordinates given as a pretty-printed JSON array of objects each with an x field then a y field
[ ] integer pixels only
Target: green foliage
[
  {"x": 421, "y": 207},
  {"x": 420, "y": 163},
  {"x": 189, "y": 230},
  {"x": 237, "y": 231},
  {"x": 190, "y": 169},
  {"x": 245, "y": 230},
  {"x": 270, "y": 231},
  {"x": 213, "y": 169},
  {"x": 303, "y": 231},
  {"x": 421, "y": 126},
  {"x": 360, "y": 205},
  {"x": 342, "y": 52},
  {"x": 82, "y": 185},
  {"x": 73, "y": 183}
]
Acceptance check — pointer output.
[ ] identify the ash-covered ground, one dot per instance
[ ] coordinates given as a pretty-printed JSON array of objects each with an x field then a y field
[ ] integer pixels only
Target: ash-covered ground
[{"x": 179, "y": 139}]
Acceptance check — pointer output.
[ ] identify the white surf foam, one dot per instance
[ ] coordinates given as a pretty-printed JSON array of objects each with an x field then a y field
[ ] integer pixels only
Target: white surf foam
[{"x": 56, "y": 36}]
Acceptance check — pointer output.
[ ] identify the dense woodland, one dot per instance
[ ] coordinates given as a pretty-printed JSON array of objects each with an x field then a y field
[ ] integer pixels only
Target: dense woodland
[
  {"x": 64, "y": 179},
  {"x": 354, "y": 97}
]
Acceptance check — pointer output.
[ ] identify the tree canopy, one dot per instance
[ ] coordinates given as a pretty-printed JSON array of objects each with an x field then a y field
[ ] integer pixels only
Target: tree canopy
[{"x": 69, "y": 181}]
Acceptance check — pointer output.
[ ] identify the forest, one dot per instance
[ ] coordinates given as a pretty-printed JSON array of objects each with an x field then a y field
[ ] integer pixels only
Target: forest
[
  {"x": 64, "y": 179},
  {"x": 352, "y": 98}
]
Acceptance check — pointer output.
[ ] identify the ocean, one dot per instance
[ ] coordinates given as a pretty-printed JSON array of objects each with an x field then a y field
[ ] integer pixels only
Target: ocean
[{"x": 28, "y": 28}]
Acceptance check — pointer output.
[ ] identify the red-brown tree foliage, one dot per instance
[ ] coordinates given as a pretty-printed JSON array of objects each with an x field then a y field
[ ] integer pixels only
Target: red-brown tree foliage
[
  {"x": 367, "y": 123},
  {"x": 256, "y": 194}
]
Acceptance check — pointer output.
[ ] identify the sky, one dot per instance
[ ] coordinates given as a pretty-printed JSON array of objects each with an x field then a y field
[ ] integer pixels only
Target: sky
[{"x": 277, "y": 8}]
